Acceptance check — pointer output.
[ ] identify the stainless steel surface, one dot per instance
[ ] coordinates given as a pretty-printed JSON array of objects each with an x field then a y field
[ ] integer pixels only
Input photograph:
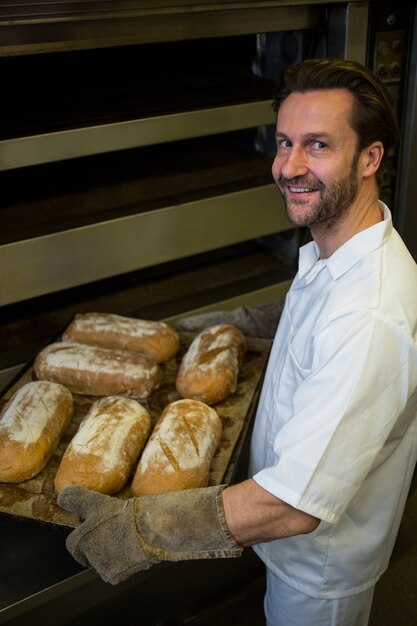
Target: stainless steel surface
[
  {"x": 348, "y": 31},
  {"x": 86, "y": 141},
  {"x": 49, "y": 263},
  {"x": 72, "y": 584},
  {"x": 78, "y": 599},
  {"x": 43, "y": 27},
  {"x": 78, "y": 256}
]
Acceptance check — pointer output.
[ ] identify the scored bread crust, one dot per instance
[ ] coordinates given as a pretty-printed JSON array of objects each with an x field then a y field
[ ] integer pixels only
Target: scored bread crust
[
  {"x": 102, "y": 453},
  {"x": 180, "y": 449},
  {"x": 209, "y": 369},
  {"x": 156, "y": 339},
  {"x": 32, "y": 424},
  {"x": 96, "y": 371}
]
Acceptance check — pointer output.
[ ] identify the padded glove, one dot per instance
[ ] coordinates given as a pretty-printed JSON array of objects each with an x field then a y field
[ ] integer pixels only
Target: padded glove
[
  {"x": 121, "y": 537},
  {"x": 260, "y": 321}
]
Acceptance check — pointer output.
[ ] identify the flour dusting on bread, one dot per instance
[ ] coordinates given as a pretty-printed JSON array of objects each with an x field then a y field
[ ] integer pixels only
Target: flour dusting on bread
[{"x": 180, "y": 449}]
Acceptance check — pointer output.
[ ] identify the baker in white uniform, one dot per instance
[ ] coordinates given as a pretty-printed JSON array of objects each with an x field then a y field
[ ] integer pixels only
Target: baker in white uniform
[{"x": 334, "y": 444}]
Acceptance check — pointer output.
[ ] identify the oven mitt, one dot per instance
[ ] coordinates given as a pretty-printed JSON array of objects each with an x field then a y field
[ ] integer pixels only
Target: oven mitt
[
  {"x": 121, "y": 537},
  {"x": 260, "y": 321}
]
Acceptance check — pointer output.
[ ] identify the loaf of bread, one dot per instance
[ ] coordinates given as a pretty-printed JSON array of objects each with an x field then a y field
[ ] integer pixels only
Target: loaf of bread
[
  {"x": 32, "y": 424},
  {"x": 156, "y": 339},
  {"x": 180, "y": 449},
  {"x": 209, "y": 369},
  {"x": 98, "y": 371},
  {"x": 102, "y": 453}
]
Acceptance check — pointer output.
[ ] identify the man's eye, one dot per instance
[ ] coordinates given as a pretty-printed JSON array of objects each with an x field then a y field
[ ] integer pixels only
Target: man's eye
[
  {"x": 284, "y": 143},
  {"x": 319, "y": 144}
]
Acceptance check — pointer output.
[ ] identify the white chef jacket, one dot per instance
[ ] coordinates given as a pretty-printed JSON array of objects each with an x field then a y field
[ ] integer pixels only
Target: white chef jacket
[{"x": 335, "y": 431}]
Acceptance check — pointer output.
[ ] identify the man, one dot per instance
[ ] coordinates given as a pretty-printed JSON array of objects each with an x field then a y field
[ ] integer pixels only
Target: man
[{"x": 334, "y": 443}]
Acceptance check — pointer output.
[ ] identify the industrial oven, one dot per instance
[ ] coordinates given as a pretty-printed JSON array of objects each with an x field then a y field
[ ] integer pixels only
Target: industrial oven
[{"x": 136, "y": 140}]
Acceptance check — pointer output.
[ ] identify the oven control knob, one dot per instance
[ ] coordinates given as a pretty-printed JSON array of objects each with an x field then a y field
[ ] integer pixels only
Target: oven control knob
[
  {"x": 395, "y": 70},
  {"x": 383, "y": 49},
  {"x": 381, "y": 70},
  {"x": 397, "y": 46}
]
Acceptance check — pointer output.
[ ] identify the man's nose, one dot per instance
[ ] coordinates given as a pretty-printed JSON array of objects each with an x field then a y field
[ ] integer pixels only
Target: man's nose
[{"x": 295, "y": 163}]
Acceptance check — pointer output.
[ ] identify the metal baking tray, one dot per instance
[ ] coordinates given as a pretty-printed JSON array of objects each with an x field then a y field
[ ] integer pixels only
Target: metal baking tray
[{"x": 35, "y": 499}]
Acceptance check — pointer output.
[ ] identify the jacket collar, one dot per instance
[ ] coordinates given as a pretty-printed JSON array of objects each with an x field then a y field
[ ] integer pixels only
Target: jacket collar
[{"x": 351, "y": 252}]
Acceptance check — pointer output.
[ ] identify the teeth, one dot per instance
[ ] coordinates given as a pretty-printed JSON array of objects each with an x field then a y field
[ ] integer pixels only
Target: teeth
[{"x": 300, "y": 189}]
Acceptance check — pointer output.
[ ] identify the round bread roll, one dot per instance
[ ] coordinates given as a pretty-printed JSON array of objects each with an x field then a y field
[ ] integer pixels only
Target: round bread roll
[
  {"x": 98, "y": 371},
  {"x": 32, "y": 424},
  {"x": 156, "y": 339},
  {"x": 105, "y": 448},
  {"x": 209, "y": 369},
  {"x": 180, "y": 449}
]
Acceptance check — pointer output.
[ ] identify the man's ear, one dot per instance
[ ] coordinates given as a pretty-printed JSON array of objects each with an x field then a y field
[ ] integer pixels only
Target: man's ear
[{"x": 371, "y": 158}]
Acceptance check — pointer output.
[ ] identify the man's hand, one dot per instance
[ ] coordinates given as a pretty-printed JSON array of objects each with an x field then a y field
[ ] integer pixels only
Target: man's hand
[
  {"x": 121, "y": 537},
  {"x": 260, "y": 321}
]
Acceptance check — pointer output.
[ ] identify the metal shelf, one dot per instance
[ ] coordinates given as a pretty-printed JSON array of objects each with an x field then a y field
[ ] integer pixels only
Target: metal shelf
[
  {"x": 37, "y": 27},
  {"x": 97, "y": 251},
  {"x": 99, "y": 139}
]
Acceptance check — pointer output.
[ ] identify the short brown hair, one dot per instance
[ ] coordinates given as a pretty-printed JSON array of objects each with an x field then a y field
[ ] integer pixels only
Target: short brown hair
[{"x": 373, "y": 117}]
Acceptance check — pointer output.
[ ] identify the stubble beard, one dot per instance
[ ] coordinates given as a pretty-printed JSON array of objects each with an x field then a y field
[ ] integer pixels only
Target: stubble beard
[{"x": 331, "y": 207}]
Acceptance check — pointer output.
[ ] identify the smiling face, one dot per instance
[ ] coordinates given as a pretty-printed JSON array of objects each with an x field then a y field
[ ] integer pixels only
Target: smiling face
[{"x": 315, "y": 166}]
